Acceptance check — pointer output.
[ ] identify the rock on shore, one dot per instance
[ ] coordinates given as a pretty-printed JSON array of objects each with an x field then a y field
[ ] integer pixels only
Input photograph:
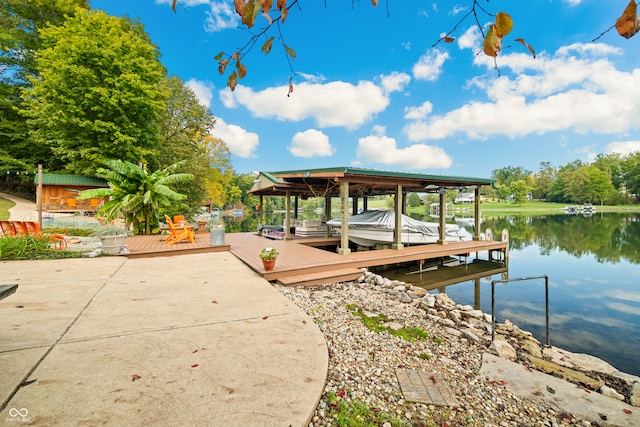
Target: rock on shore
[{"x": 362, "y": 363}]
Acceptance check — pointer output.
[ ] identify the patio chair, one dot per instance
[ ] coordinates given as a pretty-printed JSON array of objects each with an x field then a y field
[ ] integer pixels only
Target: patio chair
[
  {"x": 7, "y": 228},
  {"x": 179, "y": 233},
  {"x": 32, "y": 227}
]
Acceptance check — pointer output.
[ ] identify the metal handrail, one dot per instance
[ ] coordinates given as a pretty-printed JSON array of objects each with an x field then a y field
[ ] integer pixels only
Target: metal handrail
[{"x": 493, "y": 302}]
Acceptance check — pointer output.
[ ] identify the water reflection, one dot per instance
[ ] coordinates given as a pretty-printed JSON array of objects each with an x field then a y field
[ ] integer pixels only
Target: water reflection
[{"x": 592, "y": 264}]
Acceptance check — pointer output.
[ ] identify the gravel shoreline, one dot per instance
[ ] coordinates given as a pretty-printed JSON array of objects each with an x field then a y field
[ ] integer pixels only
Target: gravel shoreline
[{"x": 362, "y": 364}]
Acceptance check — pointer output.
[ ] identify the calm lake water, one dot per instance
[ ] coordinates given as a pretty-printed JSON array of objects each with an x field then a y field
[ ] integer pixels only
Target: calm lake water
[{"x": 593, "y": 265}]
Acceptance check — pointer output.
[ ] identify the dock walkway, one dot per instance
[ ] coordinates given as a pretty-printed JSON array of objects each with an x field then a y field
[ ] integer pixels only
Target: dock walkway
[{"x": 302, "y": 261}]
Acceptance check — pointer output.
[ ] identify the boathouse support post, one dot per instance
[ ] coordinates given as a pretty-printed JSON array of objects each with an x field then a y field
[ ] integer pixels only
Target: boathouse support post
[
  {"x": 261, "y": 215},
  {"x": 287, "y": 216},
  {"x": 354, "y": 205},
  {"x": 476, "y": 214},
  {"x": 344, "y": 225},
  {"x": 397, "y": 234},
  {"x": 327, "y": 213},
  {"x": 443, "y": 217}
]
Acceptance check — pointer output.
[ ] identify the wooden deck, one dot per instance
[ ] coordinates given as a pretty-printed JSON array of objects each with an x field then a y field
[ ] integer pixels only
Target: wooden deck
[
  {"x": 299, "y": 263},
  {"x": 154, "y": 246},
  {"x": 305, "y": 261}
]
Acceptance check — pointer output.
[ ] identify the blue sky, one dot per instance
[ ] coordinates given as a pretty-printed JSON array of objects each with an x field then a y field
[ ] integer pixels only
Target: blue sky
[{"x": 371, "y": 89}]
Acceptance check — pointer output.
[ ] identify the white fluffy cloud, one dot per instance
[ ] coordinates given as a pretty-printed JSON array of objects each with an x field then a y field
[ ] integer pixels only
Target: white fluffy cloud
[
  {"x": 221, "y": 16},
  {"x": 240, "y": 142},
  {"x": 419, "y": 112},
  {"x": 429, "y": 66},
  {"x": 383, "y": 150},
  {"x": 337, "y": 103},
  {"x": 202, "y": 90},
  {"x": 624, "y": 148},
  {"x": 311, "y": 143},
  {"x": 577, "y": 89}
]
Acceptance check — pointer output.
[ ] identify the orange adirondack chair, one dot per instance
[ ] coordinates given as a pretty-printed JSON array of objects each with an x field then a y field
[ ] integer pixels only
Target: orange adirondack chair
[{"x": 179, "y": 233}]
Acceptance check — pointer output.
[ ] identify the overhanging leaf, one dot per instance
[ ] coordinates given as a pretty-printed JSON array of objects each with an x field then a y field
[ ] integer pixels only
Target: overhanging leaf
[
  {"x": 239, "y": 6},
  {"x": 492, "y": 44},
  {"x": 284, "y": 13},
  {"x": 528, "y": 46},
  {"x": 266, "y": 5},
  {"x": 232, "y": 82},
  {"x": 173, "y": 5},
  {"x": 290, "y": 52},
  {"x": 223, "y": 66},
  {"x": 266, "y": 47},
  {"x": 242, "y": 70},
  {"x": 281, "y": 4},
  {"x": 504, "y": 24},
  {"x": 251, "y": 11},
  {"x": 628, "y": 24}
]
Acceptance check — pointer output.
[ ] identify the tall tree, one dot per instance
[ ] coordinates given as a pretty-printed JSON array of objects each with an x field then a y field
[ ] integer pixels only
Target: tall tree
[
  {"x": 544, "y": 179},
  {"x": 98, "y": 94},
  {"x": 184, "y": 135},
  {"x": 20, "y": 22},
  {"x": 510, "y": 174}
]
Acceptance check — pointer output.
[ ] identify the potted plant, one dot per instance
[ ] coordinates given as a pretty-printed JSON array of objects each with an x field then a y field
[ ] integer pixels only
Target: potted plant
[
  {"x": 268, "y": 257},
  {"x": 112, "y": 237}
]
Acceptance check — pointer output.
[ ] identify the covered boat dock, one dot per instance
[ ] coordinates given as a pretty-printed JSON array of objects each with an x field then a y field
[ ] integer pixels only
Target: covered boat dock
[{"x": 359, "y": 184}]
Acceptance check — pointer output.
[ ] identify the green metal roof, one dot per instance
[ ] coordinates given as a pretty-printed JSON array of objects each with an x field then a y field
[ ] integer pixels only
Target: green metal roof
[
  {"x": 324, "y": 181},
  {"x": 60, "y": 179},
  {"x": 384, "y": 173}
]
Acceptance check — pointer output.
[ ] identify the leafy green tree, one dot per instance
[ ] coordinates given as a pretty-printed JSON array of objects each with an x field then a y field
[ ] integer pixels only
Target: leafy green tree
[
  {"x": 611, "y": 164},
  {"x": 136, "y": 194},
  {"x": 413, "y": 200},
  {"x": 98, "y": 94},
  {"x": 184, "y": 135},
  {"x": 509, "y": 174},
  {"x": 543, "y": 181},
  {"x": 587, "y": 184},
  {"x": 502, "y": 191},
  {"x": 20, "y": 22},
  {"x": 631, "y": 173},
  {"x": 519, "y": 190}
]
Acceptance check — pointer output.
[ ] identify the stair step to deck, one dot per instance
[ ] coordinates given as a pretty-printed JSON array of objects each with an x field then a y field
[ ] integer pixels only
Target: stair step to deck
[{"x": 322, "y": 278}]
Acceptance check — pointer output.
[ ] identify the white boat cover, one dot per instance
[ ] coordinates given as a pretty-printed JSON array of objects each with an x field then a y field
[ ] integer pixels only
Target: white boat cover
[{"x": 386, "y": 220}]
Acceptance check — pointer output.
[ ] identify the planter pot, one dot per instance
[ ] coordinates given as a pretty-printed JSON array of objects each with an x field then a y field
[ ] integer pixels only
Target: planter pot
[
  {"x": 112, "y": 244},
  {"x": 269, "y": 264}
]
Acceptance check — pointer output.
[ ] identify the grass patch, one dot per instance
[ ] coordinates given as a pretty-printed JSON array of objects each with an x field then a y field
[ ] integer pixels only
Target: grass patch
[
  {"x": 30, "y": 248},
  {"x": 5, "y": 205},
  {"x": 356, "y": 414},
  {"x": 377, "y": 324}
]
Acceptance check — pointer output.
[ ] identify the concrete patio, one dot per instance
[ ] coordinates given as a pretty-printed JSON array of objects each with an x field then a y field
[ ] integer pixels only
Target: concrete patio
[{"x": 183, "y": 340}]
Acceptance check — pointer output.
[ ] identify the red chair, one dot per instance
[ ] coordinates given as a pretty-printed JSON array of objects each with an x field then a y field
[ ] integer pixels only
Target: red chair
[
  {"x": 7, "y": 228},
  {"x": 32, "y": 227},
  {"x": 20, "y": 228}
]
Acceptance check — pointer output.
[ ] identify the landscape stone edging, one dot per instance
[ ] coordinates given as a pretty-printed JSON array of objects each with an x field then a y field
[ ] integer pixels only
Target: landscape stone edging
[{"x": 511, "y": 342}]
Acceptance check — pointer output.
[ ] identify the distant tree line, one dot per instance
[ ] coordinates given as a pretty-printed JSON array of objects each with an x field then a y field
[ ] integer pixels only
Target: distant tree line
[{"x": 610, "y": 179}]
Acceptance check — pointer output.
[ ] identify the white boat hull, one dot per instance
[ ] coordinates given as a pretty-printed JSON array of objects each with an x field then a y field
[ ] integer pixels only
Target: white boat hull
[
  {"x": 372, "y": 237},
  {"x": 378, "y": 227}
]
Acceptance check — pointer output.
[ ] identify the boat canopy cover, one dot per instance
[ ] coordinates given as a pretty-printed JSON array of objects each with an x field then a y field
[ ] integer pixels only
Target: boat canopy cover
[{"x": 386, "y": 220}]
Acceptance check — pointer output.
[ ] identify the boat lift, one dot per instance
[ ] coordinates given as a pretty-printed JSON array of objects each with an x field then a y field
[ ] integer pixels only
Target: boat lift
[{"x": 493, "y": 302}]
